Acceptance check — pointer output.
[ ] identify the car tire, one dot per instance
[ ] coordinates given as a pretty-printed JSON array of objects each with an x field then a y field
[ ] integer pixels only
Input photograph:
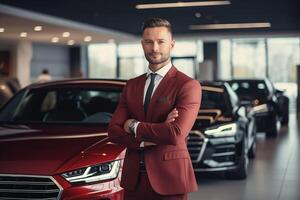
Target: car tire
[
  {"x": 272, "y": 131},
  {"x": 252, "y": 150},
  {"x": 285, "y": 111},
  {"x": 241, "y": 171},
  {"x": 285, "y": 120}
]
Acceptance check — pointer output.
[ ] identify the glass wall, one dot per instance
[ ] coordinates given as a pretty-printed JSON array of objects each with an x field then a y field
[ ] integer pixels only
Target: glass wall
[
  {"x": 283, "y": 55},
  {"x": 102, "y": 60},
  {"x": 225, "y": 59},
  {"x": 249, "y": 58},
  {"x": 131, "y": 60},
  {"x": 186, "y": 55},
  {"x": 275, "y": 58}
]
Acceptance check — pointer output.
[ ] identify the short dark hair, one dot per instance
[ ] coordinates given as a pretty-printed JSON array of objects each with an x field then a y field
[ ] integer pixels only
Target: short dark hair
[
  {"x": 45, "y": 71},
  {"x": 157, "y": 22}
]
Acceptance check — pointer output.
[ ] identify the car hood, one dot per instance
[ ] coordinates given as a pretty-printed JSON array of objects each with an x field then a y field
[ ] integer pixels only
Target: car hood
[
  {"x": 52, "y": 149},
  {"x": 210, "y": 117}
]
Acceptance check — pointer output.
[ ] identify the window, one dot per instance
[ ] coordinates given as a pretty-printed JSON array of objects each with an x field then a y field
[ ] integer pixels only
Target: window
[
  {"x": 102, "y": 60},
  {"x": 249, "y": 58},
  {"x": 283, "y": 55},
  {"x": 131, "y": 60}
]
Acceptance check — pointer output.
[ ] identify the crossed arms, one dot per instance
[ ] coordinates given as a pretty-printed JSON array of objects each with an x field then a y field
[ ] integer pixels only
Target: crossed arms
[{"x": 172, "y": 131}]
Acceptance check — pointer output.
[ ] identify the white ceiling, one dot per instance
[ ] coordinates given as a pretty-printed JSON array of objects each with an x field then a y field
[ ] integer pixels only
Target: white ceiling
[{"x": 15, "y": 21}]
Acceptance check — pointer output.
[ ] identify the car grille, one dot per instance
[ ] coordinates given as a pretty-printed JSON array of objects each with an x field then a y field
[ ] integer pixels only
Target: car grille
[
  {"x": 224, "y": 153},
  {"x": 196, "y": 145},
  {"x": 29, "y": 187}
]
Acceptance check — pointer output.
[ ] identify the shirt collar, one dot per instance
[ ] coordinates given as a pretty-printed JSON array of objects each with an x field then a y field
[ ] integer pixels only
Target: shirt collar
[{"x": 162, "y": 71}]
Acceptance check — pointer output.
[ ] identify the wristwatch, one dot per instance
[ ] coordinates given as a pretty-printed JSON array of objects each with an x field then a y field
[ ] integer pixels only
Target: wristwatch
[{"x": 132, "y": 125}]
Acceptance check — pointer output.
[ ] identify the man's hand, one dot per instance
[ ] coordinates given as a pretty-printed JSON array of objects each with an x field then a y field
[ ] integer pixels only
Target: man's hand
[
  {"x": 170, "y": 118},
  {"x": 126, "y": 125},
  {"x": 172, "y": 115}
]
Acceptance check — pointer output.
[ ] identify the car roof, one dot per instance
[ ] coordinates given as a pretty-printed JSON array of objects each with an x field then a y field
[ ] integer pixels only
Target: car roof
[
  {"x": 80, "y": 81},
  {"x": 213, "y": 83},
  {"x": 246, "y": 80}
]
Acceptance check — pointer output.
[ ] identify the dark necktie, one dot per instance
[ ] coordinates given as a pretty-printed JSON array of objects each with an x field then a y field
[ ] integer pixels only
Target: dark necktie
[{"x": 149, "y": 92}]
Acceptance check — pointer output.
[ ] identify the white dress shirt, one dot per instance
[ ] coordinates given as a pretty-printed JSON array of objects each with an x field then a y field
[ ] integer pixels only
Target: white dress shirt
[{"x": 160, "y": 74}]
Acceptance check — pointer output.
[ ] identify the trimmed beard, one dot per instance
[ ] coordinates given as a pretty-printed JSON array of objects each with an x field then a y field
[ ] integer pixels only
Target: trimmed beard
[{"x": 162, "y": 60}]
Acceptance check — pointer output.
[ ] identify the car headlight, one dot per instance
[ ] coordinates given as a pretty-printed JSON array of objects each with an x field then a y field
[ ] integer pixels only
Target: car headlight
[
  {"x": 94, "y": 173},
  {"x": 223, "y": 130}
]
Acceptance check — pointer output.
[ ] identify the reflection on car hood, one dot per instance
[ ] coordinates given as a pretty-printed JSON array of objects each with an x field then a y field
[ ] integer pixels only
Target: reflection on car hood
[
  {"x": 210, "y": 117},
  {"x": 51, "y": 149}
]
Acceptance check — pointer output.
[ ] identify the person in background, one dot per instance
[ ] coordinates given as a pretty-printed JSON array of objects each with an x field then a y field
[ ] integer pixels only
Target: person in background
[{"x": 44, "y": 76}]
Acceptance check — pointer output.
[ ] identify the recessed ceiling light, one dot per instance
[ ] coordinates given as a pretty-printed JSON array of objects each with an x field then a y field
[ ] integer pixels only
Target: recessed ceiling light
[
  {"x": 87, "y": 38},
  {"x": 231, "y": 26},
  {"x": 2, "y": 30},
  {"x": 38, "y": 28},
  {"x": 182, "y": 4},
  {"x": 197, "y": 14},
  {"x": 23, "y": 34},
  {"x": 55, "y": 39},
  {"x": 71, "y": 42},
  {"x": 66, "y": 34}
]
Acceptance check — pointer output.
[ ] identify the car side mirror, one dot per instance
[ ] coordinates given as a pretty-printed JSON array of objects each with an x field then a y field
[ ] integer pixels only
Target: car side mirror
[{"x": 242, "y": 110}]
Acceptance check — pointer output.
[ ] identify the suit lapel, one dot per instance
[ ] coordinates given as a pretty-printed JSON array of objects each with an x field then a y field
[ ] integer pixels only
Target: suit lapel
[
  {"x": 160, "y": 91},
  {"x": 140, "y": 96}
]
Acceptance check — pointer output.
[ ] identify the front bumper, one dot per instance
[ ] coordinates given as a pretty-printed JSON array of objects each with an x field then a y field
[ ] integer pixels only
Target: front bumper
[
  {"x": 214, "y": 154},
  {"x": 30, "y": 187}
]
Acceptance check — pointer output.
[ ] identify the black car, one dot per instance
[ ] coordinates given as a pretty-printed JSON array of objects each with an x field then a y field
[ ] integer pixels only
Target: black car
[
  {"x": 223, "y": 136},
  {"x": 271, "y": 105}
]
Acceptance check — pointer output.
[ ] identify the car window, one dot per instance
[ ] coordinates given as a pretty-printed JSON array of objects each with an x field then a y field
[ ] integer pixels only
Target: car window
[
  {"x": 250, "y": 90},
  {"x": 215, "y": 98},
  {"x": 65, "y": 105}
]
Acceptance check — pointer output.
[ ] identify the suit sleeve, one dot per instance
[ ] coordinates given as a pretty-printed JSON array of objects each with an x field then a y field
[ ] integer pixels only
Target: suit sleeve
[
  {"x": 187, "y": 103},
  {"x": 116, "y": 133}
]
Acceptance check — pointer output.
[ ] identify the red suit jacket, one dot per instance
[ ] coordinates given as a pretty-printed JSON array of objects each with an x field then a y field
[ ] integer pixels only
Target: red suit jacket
[{"x": 168, "y": 164}]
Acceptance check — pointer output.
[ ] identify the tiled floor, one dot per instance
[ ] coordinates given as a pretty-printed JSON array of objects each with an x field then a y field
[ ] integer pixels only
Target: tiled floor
[{"x": 273, "y": 175}]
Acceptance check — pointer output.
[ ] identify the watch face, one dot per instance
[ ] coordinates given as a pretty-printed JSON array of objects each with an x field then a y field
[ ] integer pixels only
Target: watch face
[{"x": 131, "y": 126}]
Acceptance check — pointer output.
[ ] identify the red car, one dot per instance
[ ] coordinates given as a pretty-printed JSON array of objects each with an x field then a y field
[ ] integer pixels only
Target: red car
[{"x": 54, "y": 144}]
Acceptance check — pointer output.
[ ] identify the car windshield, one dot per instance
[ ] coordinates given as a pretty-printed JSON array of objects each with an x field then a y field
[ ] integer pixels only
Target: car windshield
[
  {"x": 63, "y": 105},
  {"x": 215, "y": 98},
  {"x": 250, "y": 90}
]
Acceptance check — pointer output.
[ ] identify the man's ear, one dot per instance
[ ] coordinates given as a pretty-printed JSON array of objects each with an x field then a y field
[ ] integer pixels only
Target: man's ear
[{"x": 172, "y": 44}]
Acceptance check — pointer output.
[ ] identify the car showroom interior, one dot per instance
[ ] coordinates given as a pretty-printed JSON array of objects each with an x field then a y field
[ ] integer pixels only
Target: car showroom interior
[{"x": 64, "y": 68}]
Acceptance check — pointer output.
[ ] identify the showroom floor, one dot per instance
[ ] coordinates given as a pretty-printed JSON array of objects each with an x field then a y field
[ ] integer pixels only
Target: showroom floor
[{"x": 273, "y": 175}]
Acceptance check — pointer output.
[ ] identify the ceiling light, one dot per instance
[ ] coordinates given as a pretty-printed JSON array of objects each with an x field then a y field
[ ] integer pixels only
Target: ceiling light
[
  {"x": 2, "y": 30},
  {"x": 71, "y": 42},
  {"x": 181, "y": 4},
  {"x": 230, "y": 26},
  {"x": 198, "y": 15},
  {"x": 55, "y": 39},
  {"x": 66, "y": 34},
  {"x": 38, "y": 28},
  {"x": 23, "y": 34},
  {"x": 87, "y": 38}
]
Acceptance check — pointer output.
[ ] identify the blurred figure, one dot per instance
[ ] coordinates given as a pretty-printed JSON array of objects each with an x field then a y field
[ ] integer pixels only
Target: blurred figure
[{"x": 44, "y": 76}]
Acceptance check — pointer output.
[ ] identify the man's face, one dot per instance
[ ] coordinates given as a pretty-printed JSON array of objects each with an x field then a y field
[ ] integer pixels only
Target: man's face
[{"x": 157, "y": 44}]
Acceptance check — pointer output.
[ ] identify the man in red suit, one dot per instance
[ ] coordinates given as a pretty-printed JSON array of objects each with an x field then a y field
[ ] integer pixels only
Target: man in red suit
[{"x": 153, "y": 119}]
